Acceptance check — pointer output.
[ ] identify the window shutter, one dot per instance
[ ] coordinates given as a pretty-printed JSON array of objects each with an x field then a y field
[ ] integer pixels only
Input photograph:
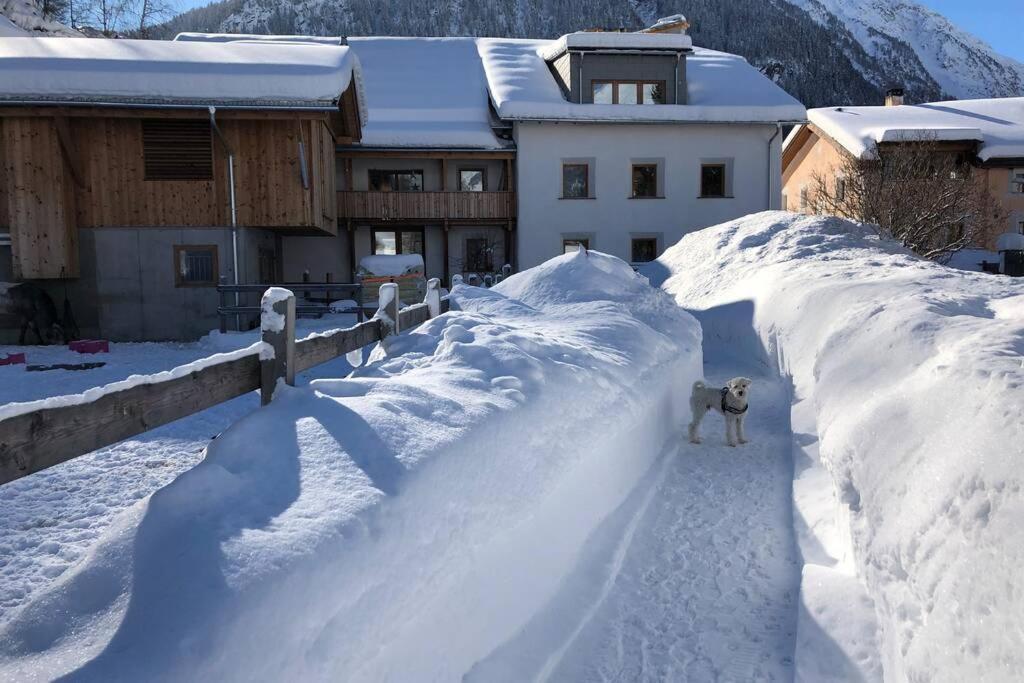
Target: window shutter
[{"x": 177, "y": 149}]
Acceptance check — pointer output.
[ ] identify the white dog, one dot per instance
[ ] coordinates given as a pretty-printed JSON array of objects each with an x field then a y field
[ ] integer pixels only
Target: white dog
[{"x": 730, "y": 401}]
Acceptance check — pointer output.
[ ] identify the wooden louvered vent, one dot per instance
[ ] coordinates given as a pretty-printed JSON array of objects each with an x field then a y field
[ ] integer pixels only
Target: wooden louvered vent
[{"x": 177, "y": 149}]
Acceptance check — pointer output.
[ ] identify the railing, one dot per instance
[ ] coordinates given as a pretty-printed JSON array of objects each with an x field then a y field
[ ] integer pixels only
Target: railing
[
  {"x": 33, "y": 441},
  {"x": 230, "y": 306},
  {"x": 427, "y": 205}
]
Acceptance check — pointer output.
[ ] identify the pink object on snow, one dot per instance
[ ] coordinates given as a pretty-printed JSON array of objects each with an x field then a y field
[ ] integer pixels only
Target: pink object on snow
[
  {"x": 13, "y": 359},
  {"x": 90, "y": 346}
]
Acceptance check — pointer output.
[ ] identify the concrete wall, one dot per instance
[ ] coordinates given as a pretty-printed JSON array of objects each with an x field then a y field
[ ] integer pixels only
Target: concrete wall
[
  {"x": 817, "y": 156},
  {"x": 610, "y": 219},
  {"x": 127, "y": 292}
]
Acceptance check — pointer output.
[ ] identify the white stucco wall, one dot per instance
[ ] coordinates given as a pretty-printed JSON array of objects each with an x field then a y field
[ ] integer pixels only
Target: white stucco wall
[{"x": 610, "y": 219}]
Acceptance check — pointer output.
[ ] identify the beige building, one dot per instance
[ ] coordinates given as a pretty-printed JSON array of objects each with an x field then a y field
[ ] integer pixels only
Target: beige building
[{"x": 989, "y": 132}]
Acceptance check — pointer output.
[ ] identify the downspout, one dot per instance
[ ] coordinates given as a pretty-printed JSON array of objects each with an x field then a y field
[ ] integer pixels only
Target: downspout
[
  {"x": 580, "y": 75},
  {"x": 234, "y": 212},
  {"x": 778, "y": 130},
  {"x": 675, "y": 84}
]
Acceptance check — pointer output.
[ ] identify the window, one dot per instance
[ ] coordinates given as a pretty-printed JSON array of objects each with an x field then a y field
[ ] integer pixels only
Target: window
[
  {"x": 712, "y": 180},
  {"x": 803, "y": 198},
  {"x": 1020, "y": 227},
  {"x": 575, "y": 181},
  {"x": 785, "y": 202},
  {"x": 471, "y": 180},
  {"x": 398, "y": 241},
  {"x": 177, "y": 149},
  {"x": 645, "y": 180},
  {"x": 644, "y": 249},
  {"x": 571, "y": 246},
  {"x": 628, "y": 92},
  {"x": 840, "y": 188},
  {"x": 479, "y": 255},
  {"x": 396, "y": 181},
  {"x": 195, "y": 265},
  {"x": 1017, "y": 181}
]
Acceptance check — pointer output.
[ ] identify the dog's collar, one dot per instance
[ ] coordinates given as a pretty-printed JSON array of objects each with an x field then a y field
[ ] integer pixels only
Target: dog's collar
[{"x": 726, "y": 408}]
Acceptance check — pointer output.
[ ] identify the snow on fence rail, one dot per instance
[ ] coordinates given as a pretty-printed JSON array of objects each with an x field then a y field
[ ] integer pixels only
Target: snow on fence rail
[{"x": 63, "y": 427}]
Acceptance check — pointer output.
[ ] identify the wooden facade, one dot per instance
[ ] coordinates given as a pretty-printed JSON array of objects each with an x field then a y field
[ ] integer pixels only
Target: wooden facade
[
  {"x": 66, "y": 168},
  {"x": 385, "y": 206}
]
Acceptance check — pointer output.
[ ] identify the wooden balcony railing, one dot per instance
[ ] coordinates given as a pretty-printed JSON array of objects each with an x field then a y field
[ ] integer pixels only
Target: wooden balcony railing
[{"x": 384, "y": 206}]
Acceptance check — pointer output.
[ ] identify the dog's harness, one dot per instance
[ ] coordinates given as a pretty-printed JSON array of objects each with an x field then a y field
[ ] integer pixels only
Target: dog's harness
[{"x": 726, "y": 408}]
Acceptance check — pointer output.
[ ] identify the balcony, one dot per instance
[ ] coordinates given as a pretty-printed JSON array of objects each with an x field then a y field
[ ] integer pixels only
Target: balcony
[{"x": 427, "y": 206}]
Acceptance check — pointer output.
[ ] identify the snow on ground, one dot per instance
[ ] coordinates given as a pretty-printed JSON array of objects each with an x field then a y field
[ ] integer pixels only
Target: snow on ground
[
  {"x": 398, "y": 524},
  {"x": 53, "y": 519},
  {"x": 908, "y": 424},
  {"x": 694, "y": 578}
]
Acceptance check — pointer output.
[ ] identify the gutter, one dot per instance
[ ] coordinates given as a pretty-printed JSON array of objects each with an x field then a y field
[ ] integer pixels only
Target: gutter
[
  {"x": 234, "y": 213},
  {"x": 164, "y": 105},
  {"x": 777, "y": 133},
  {"x": 773, "y": 122}
]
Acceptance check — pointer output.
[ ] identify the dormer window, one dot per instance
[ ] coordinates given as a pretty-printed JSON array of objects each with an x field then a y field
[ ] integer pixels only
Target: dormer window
[{"x": 628, "y": 92}]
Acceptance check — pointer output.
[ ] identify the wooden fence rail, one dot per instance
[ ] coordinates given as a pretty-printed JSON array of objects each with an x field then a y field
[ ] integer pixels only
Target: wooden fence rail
[{"x": 36, "y": 440}]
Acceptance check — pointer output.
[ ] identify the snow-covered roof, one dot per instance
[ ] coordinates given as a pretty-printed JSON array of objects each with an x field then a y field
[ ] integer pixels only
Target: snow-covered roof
[
  {"x": 609, "y": 40},
  {"x": 425, "y": 92},
  {"x": 722, "y": 88},
  {"x": 997, "y": 124},
  {"x": 252, "y": 74},
  {"x": 235, "y": 37}
]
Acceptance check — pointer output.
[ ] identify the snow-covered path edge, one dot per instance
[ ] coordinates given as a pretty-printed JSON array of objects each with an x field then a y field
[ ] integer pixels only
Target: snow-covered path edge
[{"x": 910, "y": 375}]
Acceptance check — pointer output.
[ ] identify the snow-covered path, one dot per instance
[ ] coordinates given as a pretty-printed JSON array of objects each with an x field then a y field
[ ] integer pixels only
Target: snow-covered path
[{"x": 695, "y": 577}]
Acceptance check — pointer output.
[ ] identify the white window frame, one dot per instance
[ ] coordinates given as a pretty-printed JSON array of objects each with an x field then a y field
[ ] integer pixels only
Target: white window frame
[{"x": 1017, "y": 181}]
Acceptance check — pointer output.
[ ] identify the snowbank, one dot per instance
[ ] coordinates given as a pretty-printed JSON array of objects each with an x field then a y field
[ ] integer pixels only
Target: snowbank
[
  {"x": 396, "y": 525},
  {"x": 910, "y": 374}
]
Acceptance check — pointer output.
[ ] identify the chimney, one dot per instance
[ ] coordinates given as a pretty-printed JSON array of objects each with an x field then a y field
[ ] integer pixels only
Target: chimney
[{"x": 894, "y": 97}]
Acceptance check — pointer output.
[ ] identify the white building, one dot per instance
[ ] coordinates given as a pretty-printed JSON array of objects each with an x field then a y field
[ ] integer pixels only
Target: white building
[{"x": 627, "y": 141}]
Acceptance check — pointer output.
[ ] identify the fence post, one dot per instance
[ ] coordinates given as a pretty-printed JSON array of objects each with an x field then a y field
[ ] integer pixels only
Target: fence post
[
  {"x": 387, "y": 305},
  {"x": 223, "y": 317},
  {"x": 506, "y": 270},
  {"x": 433, "y": 297},
  {"x": 277, "y": 324}
]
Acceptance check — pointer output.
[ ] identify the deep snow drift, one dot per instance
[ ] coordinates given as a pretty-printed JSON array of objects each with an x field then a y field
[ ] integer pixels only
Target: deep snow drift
[
  {"x": 911, "y": 375},
  {"x": 401, "y": 523}
]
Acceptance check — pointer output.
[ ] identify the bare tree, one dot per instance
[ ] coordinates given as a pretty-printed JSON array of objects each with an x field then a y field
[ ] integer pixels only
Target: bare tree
[
  {"x": 149, "y": 13},
  {"x": 930, "y": 199},
  {"x": 107, "y": 16}
]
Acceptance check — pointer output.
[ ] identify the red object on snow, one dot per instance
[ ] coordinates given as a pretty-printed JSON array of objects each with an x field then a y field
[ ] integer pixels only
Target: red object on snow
[
  {"x": 90, "y": 346},
  {"x": 13, "y": 359}
]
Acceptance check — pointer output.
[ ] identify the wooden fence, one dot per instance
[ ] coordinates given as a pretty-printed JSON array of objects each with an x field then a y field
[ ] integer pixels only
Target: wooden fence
[{"x": 33, "y": 441}]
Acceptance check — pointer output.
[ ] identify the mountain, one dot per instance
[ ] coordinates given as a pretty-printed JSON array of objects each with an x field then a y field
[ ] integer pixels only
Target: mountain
[
  {"x": 895, "y": 32},
  {"x": 19, "y": 18},
  {"x": 823, "y": 52}
]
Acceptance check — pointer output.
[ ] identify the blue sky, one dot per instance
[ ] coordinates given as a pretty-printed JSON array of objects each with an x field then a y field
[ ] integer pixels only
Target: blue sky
[{"x": 1000, "y": 23}]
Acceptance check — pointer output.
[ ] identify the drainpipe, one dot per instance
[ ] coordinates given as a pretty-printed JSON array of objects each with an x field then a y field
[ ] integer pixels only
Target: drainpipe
[
  {"x": 234, "y": 212},
  {"x": 675, "y": 84},
  {"x": 580, "y": 76},
  {"x": 778, "y": 130}
]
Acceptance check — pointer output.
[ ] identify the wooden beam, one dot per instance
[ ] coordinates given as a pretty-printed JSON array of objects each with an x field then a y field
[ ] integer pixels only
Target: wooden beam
[
  {"x": 69, "y": 150},
  {"x": 356, "y": 153},
  {"x": 34, "y": 441},
  {"x": 321, "y": 349},
  {"x": 414, "y": 315}
]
